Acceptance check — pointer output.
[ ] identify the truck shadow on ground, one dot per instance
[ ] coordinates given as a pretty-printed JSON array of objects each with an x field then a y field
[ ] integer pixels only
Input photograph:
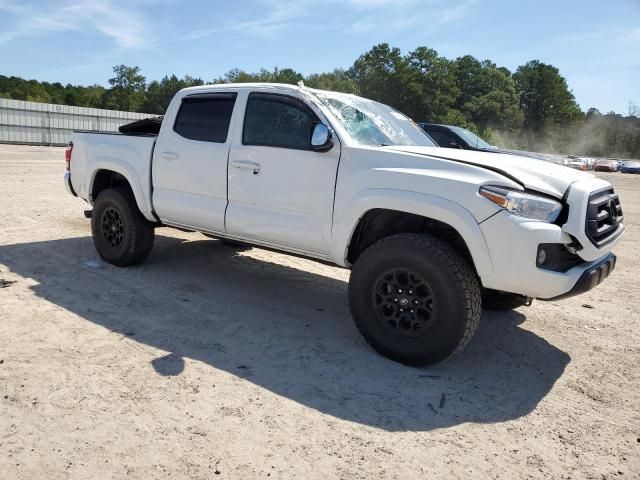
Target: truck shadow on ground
[{"x": 289, "y": 331}]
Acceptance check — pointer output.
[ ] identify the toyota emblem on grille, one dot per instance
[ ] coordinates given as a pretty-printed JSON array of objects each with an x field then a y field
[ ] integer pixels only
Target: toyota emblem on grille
[{"x": 613, "y": 210}]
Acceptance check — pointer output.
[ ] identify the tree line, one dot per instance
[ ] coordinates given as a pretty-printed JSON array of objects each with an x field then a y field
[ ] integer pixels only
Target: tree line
[{"x": 531, "y": 108}]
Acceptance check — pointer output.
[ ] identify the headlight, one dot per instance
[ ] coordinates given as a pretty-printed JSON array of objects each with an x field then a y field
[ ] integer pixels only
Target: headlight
[{"x": 523, "y": 204}]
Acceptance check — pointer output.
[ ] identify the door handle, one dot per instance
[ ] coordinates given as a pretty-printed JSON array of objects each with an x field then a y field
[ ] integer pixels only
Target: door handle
[
  {"x": 170, "y": 155},
  {"x": 246, "y": 165}
]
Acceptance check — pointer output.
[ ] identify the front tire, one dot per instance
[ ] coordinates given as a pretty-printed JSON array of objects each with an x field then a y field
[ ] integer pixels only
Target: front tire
[
  {"x": 414, "y": 299},
  {"x": 121, "y": 234}
]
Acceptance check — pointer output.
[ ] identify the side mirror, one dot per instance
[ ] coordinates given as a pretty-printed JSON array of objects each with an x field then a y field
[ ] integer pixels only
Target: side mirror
[{"x": 321, "y": 138}]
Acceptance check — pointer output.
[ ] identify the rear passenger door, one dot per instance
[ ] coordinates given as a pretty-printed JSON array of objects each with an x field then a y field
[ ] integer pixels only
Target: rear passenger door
[{"x": 190, "y": 162}]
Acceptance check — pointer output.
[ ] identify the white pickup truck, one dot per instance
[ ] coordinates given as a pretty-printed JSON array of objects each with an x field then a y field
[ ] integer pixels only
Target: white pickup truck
[{"x": 431, "y": 234}]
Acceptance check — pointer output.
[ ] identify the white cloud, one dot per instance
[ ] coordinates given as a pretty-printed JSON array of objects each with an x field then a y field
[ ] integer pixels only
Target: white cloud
[
  {"x": 406, "y": 15},
  {"x": 277, "y": 16},
  {"x": 122, "y": 25},
  {"x": 376, "y": 3},
  {"x": 11, "y": 7},
  {"x": 352, "y": 16}
]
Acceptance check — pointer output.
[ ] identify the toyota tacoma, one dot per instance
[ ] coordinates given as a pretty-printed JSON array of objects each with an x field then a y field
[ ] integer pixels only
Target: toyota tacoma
[{"x": 431, "y": 235}]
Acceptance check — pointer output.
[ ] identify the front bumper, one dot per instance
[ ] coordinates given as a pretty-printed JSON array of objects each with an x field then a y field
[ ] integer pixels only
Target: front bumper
[
  {"x": 513, "y": 245},
  {"x": 68, "y": 185},
  {"x": 591, "y": 277}
]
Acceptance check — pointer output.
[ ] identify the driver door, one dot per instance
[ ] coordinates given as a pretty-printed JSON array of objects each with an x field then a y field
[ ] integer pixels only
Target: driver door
[{"x": 280, "y": 190}]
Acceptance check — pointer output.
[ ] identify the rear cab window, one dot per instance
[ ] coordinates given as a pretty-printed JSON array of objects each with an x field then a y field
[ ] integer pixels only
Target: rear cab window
[
  {"x": 276, "y": 120},
  {"x": 205, "y": 117}
]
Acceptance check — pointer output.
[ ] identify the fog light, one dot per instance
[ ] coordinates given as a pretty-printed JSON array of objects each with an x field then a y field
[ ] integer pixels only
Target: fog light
[
  {"x": 542, "y": 256},
  {"x": 556, "y": 257}
]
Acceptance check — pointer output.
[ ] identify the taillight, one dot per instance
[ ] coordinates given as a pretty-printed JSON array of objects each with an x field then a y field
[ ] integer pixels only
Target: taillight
[{"x": 67, "y": 156}]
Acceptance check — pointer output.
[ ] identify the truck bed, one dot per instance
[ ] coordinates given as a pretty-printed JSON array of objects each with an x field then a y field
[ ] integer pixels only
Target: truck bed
[{"x": 127, "y": 154}]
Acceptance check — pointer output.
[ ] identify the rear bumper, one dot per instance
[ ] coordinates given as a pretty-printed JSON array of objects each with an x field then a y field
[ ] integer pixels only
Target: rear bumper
[
  {"x": 591, "y": 277},
  {"x": 68, "y": 185}
]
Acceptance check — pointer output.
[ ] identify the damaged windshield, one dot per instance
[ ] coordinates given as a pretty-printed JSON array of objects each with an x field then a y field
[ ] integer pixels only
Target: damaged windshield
[{"x": 372, "y": 123}]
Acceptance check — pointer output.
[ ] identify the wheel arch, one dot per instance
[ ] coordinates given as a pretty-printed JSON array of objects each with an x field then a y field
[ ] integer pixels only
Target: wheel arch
[
  {"x": 109, "y": 176},
  {"x": 379, "y": 213}
]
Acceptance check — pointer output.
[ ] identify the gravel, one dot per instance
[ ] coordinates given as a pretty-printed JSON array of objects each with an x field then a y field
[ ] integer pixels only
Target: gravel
[{"x": 245, "y": 363}]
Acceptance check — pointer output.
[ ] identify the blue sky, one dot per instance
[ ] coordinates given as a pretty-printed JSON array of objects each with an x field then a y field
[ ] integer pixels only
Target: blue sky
[{"x": 595, "y": 44}]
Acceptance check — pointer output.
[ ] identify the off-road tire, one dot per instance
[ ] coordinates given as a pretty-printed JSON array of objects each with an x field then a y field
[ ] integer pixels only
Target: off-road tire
[
  {"x": 501, "y": 301},
  {"x": 137, "y": 233},
  {"x": 455, "y": 291}
]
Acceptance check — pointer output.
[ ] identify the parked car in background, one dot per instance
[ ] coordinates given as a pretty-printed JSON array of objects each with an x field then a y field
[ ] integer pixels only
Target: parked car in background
[
  {"x": 449, "y": 136},
  {"x": 632, "y": 166},
  {"x": 606, "y": 165},
  {"x": 578, "y": 163}
]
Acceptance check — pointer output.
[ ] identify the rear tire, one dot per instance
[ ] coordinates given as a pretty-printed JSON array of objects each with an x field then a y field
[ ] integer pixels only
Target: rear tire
[
  {"x": 432, "y": 281},
  {"x": 121, "y": 234}
]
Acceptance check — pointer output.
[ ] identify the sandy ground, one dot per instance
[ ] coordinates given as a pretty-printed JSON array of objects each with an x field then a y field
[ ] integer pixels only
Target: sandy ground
[{"x": 209, "y": 362}]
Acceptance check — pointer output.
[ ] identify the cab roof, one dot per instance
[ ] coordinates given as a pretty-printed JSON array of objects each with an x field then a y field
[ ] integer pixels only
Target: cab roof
[{"x": 262, "y": 85}]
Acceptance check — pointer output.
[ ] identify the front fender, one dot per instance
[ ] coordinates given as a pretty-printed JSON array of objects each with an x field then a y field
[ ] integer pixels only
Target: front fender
[{"x": 422, "y": 204}]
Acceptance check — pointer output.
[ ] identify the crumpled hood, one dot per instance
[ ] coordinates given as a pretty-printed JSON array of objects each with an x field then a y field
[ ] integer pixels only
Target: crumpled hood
[{"x": 538, "y": 175}]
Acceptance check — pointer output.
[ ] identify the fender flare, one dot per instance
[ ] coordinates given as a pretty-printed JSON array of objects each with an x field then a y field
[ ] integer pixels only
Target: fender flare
[
  {"x": 422, "y": 204},
  {"x": 124, "y": 169}
]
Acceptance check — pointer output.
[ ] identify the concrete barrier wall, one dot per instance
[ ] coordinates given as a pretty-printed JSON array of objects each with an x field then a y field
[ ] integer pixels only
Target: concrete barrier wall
[{"x": 32, "y": 123}]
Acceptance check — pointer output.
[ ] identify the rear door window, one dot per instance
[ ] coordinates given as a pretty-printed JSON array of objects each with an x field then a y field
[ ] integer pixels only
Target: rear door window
[{"x": 205, "y": 118}]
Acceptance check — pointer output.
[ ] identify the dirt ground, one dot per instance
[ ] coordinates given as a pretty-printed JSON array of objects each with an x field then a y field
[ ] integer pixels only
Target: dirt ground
[{"x": 212, "y": 362}]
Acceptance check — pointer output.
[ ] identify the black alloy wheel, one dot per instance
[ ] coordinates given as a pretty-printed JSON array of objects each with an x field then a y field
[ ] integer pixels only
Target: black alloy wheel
[
  {"x": 404, "y": 302},
  {"x": 112, "y": 227}
]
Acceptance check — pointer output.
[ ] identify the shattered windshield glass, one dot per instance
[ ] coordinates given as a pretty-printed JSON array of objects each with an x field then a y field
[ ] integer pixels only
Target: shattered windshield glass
[{"x": 372, "y": 123}]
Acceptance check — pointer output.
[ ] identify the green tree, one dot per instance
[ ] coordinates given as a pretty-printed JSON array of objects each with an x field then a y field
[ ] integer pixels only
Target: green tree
[
  {"x": 431, "y": 86},
  {"x": 337, "y": 80},
  {"x": 277, "y": 75},
  {"x": 237, "y": 76},
  {"x": 593, "y": 112},
  {"x": 545, "y": 98},
  {"x": 495, "y": 110},
  {"x": 127, "y": 90},
  {"x": 532, "y": 108},
  {"x": 381, "y": 74},
  {"x": 286, "y": 75},
  {"x": 36, "y": 92},
  {"x": 488, "y": 95},
  {"x": 159, "y": 93}
]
